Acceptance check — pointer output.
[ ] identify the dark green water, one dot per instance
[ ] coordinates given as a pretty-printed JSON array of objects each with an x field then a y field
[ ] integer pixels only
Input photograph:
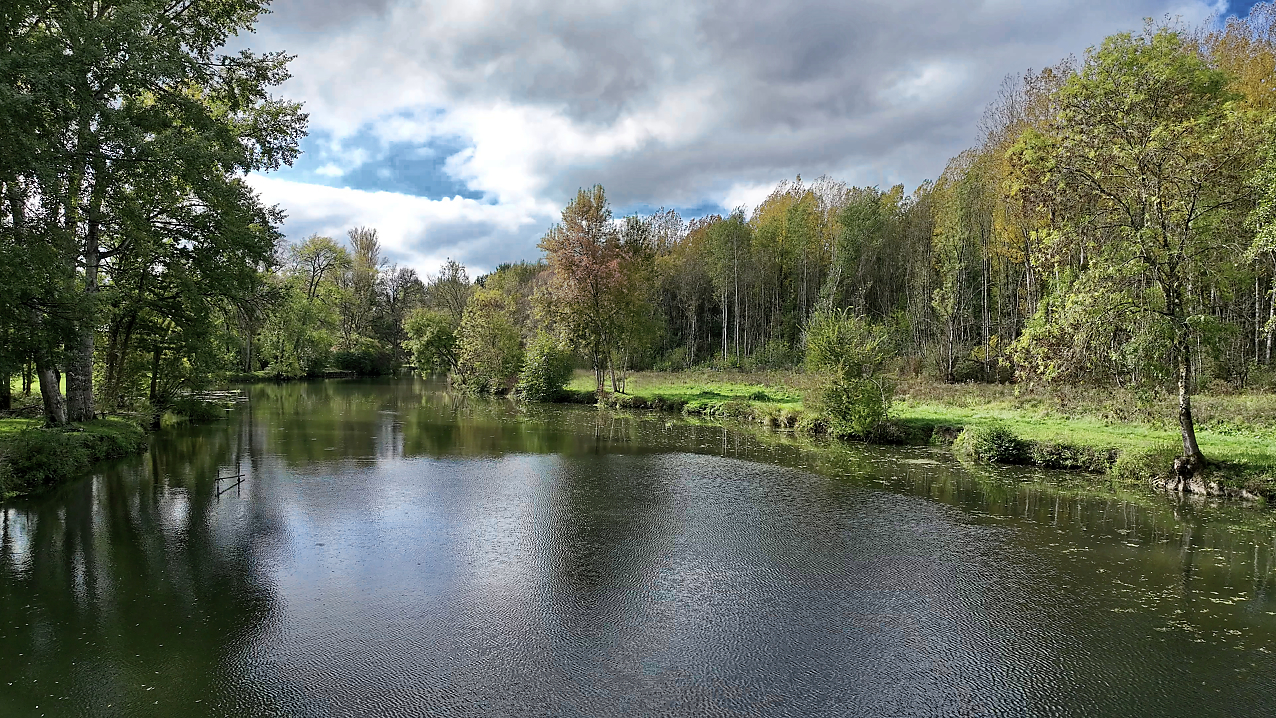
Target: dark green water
[{"x": 393, "y": 551}]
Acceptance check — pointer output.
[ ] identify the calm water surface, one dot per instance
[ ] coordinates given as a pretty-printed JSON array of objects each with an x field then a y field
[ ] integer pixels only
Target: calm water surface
[{"x": 394, "y": 551}]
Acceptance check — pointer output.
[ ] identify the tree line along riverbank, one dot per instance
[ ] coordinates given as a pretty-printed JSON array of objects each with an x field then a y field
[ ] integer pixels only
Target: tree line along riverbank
[
  {"x": 1111, "y": 233},
  {"x": 1114, "y": 437}
]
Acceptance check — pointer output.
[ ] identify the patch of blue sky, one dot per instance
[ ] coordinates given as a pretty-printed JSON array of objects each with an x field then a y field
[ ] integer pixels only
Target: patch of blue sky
[
  {"x": 366, "y": 162},
  {"x": 1241, "y": 9}
]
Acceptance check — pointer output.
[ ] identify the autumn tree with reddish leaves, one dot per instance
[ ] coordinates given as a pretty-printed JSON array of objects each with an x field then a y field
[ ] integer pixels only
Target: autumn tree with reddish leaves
[{"x": 592, "y": 287}]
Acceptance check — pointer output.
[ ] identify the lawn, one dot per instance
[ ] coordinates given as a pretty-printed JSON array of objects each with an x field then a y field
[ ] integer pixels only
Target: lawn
[{"x": 783, "y": 388}]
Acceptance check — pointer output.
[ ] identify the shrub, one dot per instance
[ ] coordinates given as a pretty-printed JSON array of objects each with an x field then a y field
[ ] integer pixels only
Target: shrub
[
  {"x": 846, "y": 345},
  {"x": 41, "y": 457},
  {"x": 431, "y": 339},
  {"x": 994, "y": 444},
  {"x": 196, "y": 409},
  {"x": 678, "y": 359},
  {"x": 547, "y": 368},
  {"x": 775, "y": 354},
  {"x": 365, "y": 359},
  {"x": 1059, "y": 455},
  {"x": 1146, "y": 464},
  {"x": 490, "y": 351},
  {"x": 857, "y": 408}
]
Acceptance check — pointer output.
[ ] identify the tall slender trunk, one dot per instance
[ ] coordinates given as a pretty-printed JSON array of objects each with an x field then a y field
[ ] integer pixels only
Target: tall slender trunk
[
  {"x": 737, "y": 308},
  {"x": 79, "y": 370},
  {"x": 155, "y": 368},
  {"x": 50, "y": 391},
  {"x": 725, "y": 324},
  {"x": 1258, "y": 321},
  {"x": 6, "y": 391},
  {"x": 1271, "y": 320},
  {"x": 115, "y": 363}
]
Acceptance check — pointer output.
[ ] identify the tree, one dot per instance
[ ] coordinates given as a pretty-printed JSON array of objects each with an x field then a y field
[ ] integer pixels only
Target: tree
[
  {"x": 591, "y": 283},
  {"x": 1135, "y": 169},
  {"x": 490, "y": 351},
  {"x": 432, "y": 339},
  {"x": 316, "y": 259},
  {"x": 852, "y": 352},
  {"x": 359, "y": 285},
  {"x": 450, "y": 289},
  {"x": 141, "y": 123}
]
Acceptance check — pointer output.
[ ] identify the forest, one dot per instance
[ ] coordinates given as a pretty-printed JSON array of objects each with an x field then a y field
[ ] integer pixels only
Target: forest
[{"x": 1113, "y": 226}]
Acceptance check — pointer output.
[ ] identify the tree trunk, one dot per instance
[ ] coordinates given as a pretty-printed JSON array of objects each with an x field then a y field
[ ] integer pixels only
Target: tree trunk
[
  {"x": 1271, "y": 320},
  {"x": 79, "y": 370},
  {"x": 50, "y": 384},
  {"x": 50, "y": 392},
  {"x": 155, "y": 367},
  {"x": 6, "y": 391},
  {"x": 1193, "y": 462}
]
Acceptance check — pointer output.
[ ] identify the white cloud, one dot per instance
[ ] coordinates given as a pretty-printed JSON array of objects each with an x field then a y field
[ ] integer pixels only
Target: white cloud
[
  {"x": 414, "y": 231},
  {"x": 665, "y": 102},
  {"x": 748, "y": 196}
]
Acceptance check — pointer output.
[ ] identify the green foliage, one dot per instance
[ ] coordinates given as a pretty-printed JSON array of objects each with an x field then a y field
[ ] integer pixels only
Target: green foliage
[
  {"x": 856, "y": 402},
  {"x": 775, "y": 354},
  {"x": 547, "y": 368},
  {"x": 195, "y": 409},
  {"x": 856, "y": 408},
  {"x": 36, "y": 458},
  {"x": 1146, "y": 463},
  {"x": 993, "y": 444},
  {"x": 846, "y": 346},
  {"x": 432, "y": 339},
  {"x": 1064, "y": 455},
  {"x": 490, "y": 345},
  {"x": 366, "y": 358},
  {"x": 41, "y": 457}
]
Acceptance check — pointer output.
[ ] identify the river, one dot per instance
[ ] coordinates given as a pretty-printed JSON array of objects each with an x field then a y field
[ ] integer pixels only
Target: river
[{"x": 394, "y": 550}]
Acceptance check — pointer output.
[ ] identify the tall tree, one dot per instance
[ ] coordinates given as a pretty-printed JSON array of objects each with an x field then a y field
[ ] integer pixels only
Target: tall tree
[
  {"x": 136, "y": 94},
  {"x": 1140, "y": 161},
  {"x": 590, "y": 277}
]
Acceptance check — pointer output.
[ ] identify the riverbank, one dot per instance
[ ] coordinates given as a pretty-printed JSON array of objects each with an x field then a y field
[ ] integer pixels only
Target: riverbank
[
  {"x": 1122, "y": 435},
  {"x": 33, "y": 458}
]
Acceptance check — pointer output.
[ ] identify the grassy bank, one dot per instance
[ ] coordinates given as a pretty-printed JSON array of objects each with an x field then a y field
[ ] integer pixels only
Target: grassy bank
[
  {"x": 1127, "y": 435},
  {"x": 33, "y": 458}
]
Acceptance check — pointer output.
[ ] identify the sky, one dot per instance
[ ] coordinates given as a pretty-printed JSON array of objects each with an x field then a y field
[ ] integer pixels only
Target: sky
[{"x": 460, "y": 128}]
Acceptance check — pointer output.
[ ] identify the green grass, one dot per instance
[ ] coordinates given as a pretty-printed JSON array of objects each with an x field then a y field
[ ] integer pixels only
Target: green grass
[
  {"x": 779, "y": 388},
  {"x": 15, "y": 384},
  {"x": 33, "y": 458},
  {"x": 1237, "y": 431},
  {"x": 13, "y": 426}
]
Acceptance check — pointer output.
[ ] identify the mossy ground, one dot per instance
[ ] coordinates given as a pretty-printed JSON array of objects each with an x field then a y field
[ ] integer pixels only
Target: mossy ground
[{"x": 33, "y": 458}]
